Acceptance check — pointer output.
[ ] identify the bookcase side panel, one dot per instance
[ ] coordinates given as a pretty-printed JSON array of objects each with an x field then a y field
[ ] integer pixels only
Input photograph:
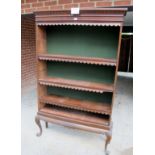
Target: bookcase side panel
[
  {"x": 41, "y": 65},
  {"x": 116, "y": 69},
  {"x": 41, "y": 39}
]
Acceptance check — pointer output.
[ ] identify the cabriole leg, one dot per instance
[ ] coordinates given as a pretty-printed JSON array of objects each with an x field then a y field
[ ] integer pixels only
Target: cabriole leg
[
  {"x": 37, "y": 120},
  {"x": 46, "y": 124},
  {"x": 108, "y": 139}
]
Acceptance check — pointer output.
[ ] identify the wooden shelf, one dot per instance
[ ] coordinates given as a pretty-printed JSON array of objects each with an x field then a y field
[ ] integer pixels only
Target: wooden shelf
[
  {"x": 77, "y": 59},
  {"x": 76, "y": 84},
  {"x": 89, "y": 106},
  {"x": 84, "y": 118}
]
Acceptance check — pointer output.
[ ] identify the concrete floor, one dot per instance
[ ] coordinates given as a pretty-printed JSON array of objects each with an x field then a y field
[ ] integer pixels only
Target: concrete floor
[{"x": 58, "y": 140}]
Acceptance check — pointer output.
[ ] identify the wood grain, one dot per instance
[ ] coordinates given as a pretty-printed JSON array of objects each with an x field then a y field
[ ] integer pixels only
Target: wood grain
[
  {"x": 77, "y": 59},
  {"x": 102, "y": 16},
  {"x": 76, "y": 84},
  {"x": 102, "y": 108},
  {"x": 84, "y": 118}
]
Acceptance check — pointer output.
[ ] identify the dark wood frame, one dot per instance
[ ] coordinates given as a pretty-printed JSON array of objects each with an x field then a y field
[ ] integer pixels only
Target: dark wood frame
[{"x": 100, "y": 17}]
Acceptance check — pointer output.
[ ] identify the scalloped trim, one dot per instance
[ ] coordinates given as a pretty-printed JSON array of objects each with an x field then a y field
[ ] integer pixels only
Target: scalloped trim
[
  {"x": 73, "y": 107},
  {"x": 81, "y": 24},
  {"x": 77, "y": 61},
  {"x": 71, "y": 87}
]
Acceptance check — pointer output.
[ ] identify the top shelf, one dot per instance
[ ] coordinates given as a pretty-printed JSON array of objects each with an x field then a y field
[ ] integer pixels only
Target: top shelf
[{"x": 77, "y": 59}]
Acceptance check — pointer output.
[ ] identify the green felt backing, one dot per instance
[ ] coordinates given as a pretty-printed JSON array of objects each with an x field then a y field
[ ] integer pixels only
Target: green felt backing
[
  {"x": 89, "y": 41},
  {"x": 105, "y": 97},
  {"x": 92, "y": 73}
]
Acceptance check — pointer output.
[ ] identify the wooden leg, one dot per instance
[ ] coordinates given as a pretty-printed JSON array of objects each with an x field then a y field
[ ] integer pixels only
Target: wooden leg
[
  {"x": 37, "y": 120},
  {"x": 108, "y": 139},
  {"x": 46, "y": 124}
]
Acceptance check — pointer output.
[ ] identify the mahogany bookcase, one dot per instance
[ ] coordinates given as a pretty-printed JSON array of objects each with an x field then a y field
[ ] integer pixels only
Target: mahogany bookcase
[{"x": 77, "y": 64}]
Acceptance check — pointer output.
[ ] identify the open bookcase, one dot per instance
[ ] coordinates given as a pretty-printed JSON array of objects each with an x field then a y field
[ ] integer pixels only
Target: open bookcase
[{"x": 77, "y": 61}]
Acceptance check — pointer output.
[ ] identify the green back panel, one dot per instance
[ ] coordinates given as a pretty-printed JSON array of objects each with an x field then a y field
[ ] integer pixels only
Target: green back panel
[
  {"x": 92, "y": 73},
  {"x": 89, "y": 41},
  {"x": 82, "y": 95}
]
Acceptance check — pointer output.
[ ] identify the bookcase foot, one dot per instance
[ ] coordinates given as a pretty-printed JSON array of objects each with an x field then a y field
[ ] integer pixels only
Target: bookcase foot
[
  {"x": 108, "y": 139},
  {"x": 107, "y": 153},
  {"x": 46, "y": 124},
  {"x": 37, "y": 120}
]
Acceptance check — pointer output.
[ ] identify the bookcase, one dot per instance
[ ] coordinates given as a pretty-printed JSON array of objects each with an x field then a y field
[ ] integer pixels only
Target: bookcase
[{"x": 77, "y": 63}]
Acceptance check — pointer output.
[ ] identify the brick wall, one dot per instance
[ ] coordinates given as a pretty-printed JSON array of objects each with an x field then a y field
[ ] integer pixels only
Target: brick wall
[
  {"x": 28, "y": 6},
  {"x": 28, "y": 68}
]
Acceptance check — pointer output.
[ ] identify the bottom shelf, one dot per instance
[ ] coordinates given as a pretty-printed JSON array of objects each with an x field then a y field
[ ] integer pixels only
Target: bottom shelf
[
  {"x": 75, "y": 116},
  {"x": 88, "y": 106}
]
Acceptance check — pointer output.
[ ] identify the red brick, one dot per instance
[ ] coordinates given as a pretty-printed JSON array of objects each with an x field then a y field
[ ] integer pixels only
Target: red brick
[
  {"x": 68, "y": 6},
  {"x": 28, "y": 55},
  {"x": 42, "y": 9},
  {"x": 122, "y": 0},
  {"x": 65, "y": 1},
  {"x": 56, "y": 7},
  {"x": 50, "y": 3},
  {"x": 22, "y": 1},
  {"x": 42, "y": 0},
  {"x": 25, "y": 6},
  {"x": 40, "y": 4},
  {"x": 22, "y": 11},
  {"x": 79, "y": 1},
  {"x": 31, "y": 1},
  {"x": 122, "y": 3},
  {"x": 29, "y": 10},
  {"x": 100, "y": 0},
  {"x": 89, "y": 4},
  {"x": 103, "y": 4}
]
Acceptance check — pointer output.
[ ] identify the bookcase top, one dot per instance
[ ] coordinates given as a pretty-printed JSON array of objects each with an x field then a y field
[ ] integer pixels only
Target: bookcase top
[
  {"x": 93, "y": 17},
  {"x": 88, "y": 10}
]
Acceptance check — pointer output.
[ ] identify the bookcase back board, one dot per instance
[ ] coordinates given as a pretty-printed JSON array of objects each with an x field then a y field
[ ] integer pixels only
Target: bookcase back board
[
  {"x": 86, "y": 41},
  {"x": 77, "y": 63},
  {"x": 84, "y": 72},
  {"x": 90, "y": 96}
]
